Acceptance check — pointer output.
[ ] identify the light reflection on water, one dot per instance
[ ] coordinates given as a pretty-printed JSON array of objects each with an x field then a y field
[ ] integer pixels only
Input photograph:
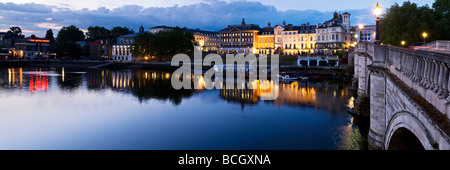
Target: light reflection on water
[{"x": 138, "y": 109}]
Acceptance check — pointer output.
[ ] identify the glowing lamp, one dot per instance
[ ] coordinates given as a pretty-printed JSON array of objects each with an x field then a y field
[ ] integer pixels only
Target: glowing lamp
[{"x": 377, "y": 11}]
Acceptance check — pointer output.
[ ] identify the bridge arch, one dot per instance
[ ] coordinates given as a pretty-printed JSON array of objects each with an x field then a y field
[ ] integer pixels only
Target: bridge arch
[{"x": 403, "y": 123}]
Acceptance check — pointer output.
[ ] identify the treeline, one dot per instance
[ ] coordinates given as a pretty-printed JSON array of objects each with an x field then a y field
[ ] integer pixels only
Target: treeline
[
  {"x": 66, "y": 45},
  {"x": 409, "y": 21},
  {"x": 163, "y": 45}
]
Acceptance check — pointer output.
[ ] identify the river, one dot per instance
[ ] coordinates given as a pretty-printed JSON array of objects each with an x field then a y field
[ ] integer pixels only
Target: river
[{"x": 69, "y": 108}]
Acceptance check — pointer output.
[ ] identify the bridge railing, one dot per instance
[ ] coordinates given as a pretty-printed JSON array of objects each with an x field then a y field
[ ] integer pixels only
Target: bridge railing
[
  {"x": 427, "y": 72},
  {"x": 366, "y": 47}
]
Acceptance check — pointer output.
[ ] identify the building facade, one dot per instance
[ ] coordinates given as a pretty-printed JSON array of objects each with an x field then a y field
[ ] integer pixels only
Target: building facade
[
  {"x": 288, "y": 39},
  {"x": 100, "y": 49},
  {"x": 238, "y": 39},
  {"x": 367, "y": 34},
  {"x": 334, "y": 34},
  {"x": 31, "y": 48},
  {"x": 121, "y": 50},
  {"x": 208, "y": 40},
  {"x": 265, "y": 40}
]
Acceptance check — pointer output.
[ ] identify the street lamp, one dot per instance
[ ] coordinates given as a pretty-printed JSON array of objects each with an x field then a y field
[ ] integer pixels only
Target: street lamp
[
  {"x": 424, "y": 36},
  {"x": 361, "y": 27},
  {"x": 403, "y": 43},
  {"x": 377, "y": 11}
]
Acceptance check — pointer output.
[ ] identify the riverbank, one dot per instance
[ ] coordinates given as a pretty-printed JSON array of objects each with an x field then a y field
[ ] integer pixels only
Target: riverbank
[{"x": 314, "y": 72}]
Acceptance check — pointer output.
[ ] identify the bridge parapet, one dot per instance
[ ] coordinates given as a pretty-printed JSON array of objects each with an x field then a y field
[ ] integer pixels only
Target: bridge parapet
[
  {"x": 411, "y": 83},
  {"x": 426, "y": 72},
  {"x": 366, "y": 47}
]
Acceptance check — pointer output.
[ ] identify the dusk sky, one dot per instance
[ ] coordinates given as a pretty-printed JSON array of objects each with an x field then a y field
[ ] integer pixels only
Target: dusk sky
[{"x": 37, "y": 16}]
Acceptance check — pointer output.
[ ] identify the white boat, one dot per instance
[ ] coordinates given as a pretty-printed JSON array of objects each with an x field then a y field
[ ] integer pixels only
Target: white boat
[
  {"x": 287, "y": 77},
  {"x": 303, "y": 78}
]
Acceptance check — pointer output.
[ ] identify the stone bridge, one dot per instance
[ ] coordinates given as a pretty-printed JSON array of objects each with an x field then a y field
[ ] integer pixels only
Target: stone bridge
[{"x": 408, "y": 92}]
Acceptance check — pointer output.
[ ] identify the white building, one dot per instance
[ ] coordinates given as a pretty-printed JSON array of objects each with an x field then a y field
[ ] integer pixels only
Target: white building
[
  {"x": 367, "y": 34},
  {"x": 334, "y": 34},
  {"x": 121, "y": 51}
]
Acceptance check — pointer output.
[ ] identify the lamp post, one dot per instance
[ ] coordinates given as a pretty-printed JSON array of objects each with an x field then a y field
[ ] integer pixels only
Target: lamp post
[
  {"x": 424, "y": 36},
  {"x": 377, "y": 11},
  {"x": 403, "y": 43},
  {"x": 361, "y": 27}
]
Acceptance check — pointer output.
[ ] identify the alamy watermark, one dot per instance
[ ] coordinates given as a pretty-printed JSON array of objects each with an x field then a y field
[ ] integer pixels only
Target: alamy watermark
[{"x": 239, "y": 70}]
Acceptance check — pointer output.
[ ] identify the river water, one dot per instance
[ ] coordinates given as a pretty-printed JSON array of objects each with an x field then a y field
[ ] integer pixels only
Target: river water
[{"x": 67, "y": 108}]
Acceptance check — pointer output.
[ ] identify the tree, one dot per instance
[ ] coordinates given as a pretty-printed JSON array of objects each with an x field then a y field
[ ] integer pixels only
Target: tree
[
  {"x": 15, "y": 30},
  {"x": 49, "y": 35},
  {"x": 407, "y": 23},
  {"x": 442, "y": 13},
  {"x": 142, "y": 45},
  {"x": 70, "y": 33},
  {"x": 119, "y": 31},
  {"x": 69, "y": 49},
  {"x": 164, "y": 44},
  {"x": 96, "y": 33},
  {"x": 66, "y": 42}
]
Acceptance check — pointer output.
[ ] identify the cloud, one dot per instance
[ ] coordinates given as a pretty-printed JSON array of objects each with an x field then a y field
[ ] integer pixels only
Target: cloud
[
  {"x": 28, "y": 7},
  {"x": 211, "y": 15},
  {"x": 48, "y": 25}
]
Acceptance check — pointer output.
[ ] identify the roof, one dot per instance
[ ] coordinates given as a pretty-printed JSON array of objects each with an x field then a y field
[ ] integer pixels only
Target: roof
[
  {"x": 163, "y": 26},
  {"x": 241, "y": 27},
  {"x": 129, "y": 35},
  {"x": 199, "y": 31},
  {"x": 266, "y": 31}
]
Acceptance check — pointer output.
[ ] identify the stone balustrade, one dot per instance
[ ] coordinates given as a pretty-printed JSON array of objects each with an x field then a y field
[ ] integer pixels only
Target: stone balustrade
[
  {"x": 365, "y": 47},
  {"x": 406, "y": 89},
  {"x": 426, "y": 72}
]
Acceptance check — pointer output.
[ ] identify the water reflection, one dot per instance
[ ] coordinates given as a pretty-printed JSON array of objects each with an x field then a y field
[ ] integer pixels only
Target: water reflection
[
  {"x": 38, "y": 82},
  {"x": 305, "y": 115},
  {"x": 147, "y": 84}
]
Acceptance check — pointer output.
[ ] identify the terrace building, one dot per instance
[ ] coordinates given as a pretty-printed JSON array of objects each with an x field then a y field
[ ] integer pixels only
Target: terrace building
[
  {"x": 265, "y": 40},
  {"x": 334, "y": 34},
  {"x": 209, "y": 41},
  {"x": 238, "y": 39}
]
